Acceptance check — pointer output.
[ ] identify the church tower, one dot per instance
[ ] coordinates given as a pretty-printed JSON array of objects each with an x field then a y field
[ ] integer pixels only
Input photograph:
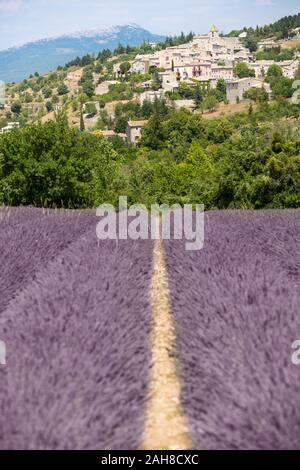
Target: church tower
[{"x": 214, "y": 32}]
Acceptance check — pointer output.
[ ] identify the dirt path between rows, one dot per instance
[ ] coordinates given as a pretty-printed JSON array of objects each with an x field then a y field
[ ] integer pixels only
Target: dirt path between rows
[{"x": 165, "y": 427}]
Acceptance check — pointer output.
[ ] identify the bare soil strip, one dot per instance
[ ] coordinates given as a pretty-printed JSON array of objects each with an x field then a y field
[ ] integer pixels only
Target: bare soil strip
[{"x": 165, "y": 427}]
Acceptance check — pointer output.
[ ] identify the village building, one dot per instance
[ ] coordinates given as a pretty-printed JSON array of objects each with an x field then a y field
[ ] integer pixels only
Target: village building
[
  {"x": 236, "y": 88},
  {"x": 208, "y": 57},
  {"x": 140, "y": 66},
  {"x": 10, "y": 126},
  {"x": 267, "y": 43},
  {"x": 204, "y": 70},
  {"x": 261, "y": 67},
  {"x": 150, "y": 96},
  {"x": 134, "y": 131},
  {"x": 296, "y": 32},
  {"x": 169, "y": 81},
  {"x": 219, "y": 47},
  {"x": 221, "y": 72},
  {"x": 289, "y": 67}
]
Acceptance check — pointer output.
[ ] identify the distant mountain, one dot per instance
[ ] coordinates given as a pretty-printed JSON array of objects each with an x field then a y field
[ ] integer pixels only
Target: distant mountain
[{"x": 42, "y": 56}]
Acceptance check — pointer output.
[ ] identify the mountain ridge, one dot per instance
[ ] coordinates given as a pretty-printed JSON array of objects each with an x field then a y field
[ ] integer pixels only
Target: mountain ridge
[{"x": 46, "y": 54}]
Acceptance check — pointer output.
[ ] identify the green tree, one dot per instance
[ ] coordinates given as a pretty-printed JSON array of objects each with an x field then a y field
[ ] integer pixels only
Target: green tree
[
  {"x": 282, "y": 88},
  {"x": 52, "y": 164},
  {"x": 251, "y": 43},
  {"x": 274, "y": 72},
  {"x": 125, "y": 67},
  {"x": 210, "y": 103},
  {"x": 221, "y": 87},
  {"x": 47, "y": 92},
  {"x": 49, "y": 106},
  {"x": 257, "y": 95},
  {"x": 153, "y": 132},
  {"x": 90, "y": 109},
  {"x": 82, "y": 125},
  {"x": 88, "y": 88},
  {"x": 62, "y": 89},
  {"x": 16, "y": 107},
  {"x": 98, "y": 68},
  {"x": 199, "y": 159},
  {"x": 198, "y": 96},
  {"x": 28, "y": 98},
  {"x": 242, "y": 70},
  {"x": 120, "y": 124}
]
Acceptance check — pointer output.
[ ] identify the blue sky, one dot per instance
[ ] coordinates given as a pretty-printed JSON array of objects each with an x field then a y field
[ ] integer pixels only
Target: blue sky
[{"x": 25, "y": 20}]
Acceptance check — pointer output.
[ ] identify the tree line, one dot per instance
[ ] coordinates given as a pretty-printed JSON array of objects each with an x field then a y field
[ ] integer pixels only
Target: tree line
[{"x": 250, "y": 160}]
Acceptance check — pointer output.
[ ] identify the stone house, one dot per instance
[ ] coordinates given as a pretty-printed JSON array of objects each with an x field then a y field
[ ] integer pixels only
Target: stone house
[
  {"x": 134, "y": 131},
  {"x": 151, "y": 96},
  {"x": 290, "y": 67},
  {"x": 261, "y": 67},
  {"x": 222, "y": 72},
  {"x": 236, "y": 88},
  {"x": 140, "y": 66},
  {"x": 169, "y": 81},
  {"x": 267, "y": 43}
]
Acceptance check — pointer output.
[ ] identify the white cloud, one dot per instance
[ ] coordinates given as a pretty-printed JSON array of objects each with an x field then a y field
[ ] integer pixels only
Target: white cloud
[{"x": 10, "y": 6}]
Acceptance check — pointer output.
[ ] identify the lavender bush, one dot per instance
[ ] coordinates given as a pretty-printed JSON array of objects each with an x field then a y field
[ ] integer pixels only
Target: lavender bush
[
  {"x": 237, "y": 310},
  {"x": 76, "y": 323}
]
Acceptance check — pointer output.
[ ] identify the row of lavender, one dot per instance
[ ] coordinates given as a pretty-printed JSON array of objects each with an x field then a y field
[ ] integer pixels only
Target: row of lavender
[
  {"x": 75, "y": 318},
  {"x": 237, "y": 311}
]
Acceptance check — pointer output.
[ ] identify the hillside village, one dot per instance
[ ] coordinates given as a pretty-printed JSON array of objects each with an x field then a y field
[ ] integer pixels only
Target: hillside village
[
  {"x": 206, "y": 73},
  {"x": 208, "y": 119}
]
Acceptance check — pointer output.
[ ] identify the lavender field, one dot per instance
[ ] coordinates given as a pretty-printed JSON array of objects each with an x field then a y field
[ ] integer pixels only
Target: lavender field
[
  {"x": 75, "y": 318},
  {"x": 237, "y": 311}
]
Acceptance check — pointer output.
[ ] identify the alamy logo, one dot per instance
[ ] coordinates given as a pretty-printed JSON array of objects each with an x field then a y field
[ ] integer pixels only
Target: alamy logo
[
  {"x": 2, "y": 353},
  {"x": 162, "y": 221},
  {"x": 296, "y": 354}
]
